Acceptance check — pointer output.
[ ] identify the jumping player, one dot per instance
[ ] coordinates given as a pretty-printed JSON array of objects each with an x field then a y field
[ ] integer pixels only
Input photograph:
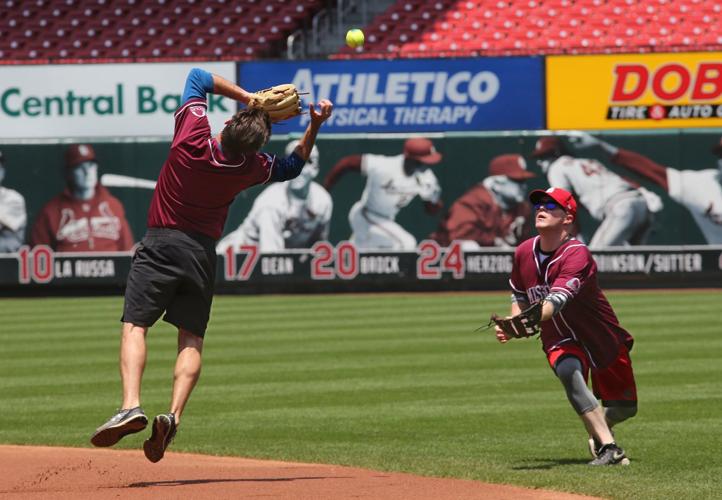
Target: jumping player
[
  {"x": 625, "y": 211},
  {"x": 579, "y": 331},
  {"x": 296, "y": 214},
  {"x": 392, "y": 183},
  {"x": 173, "y": 270},
  {"x": 699, "y": 191}
]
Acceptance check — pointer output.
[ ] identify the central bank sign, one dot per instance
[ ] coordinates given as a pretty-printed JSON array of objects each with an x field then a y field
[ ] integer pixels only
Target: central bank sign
[
  {"x": 412, "y": 95},
  {"x": 99, "y": 100}
]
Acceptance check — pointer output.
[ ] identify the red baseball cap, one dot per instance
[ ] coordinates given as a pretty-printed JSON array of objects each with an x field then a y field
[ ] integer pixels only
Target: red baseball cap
[
  {"x": 77, "y": 154},
  {"x": 513, "y": 166},
  {"x": 421, "y": 149},
  {"x": 561, "y": 196}
]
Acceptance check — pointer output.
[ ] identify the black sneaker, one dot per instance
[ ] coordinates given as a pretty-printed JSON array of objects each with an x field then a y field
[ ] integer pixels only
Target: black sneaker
[
  {"x": 120, "y": 425},
  {"x": 610, "y": 454},
  {"x": 163, "y": 433}
]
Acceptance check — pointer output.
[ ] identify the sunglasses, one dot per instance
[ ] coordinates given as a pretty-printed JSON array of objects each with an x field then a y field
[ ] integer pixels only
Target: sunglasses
[{"x": 547, "y": 205}]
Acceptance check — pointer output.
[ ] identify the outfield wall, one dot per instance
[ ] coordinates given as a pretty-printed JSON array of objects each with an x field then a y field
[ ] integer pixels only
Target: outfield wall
[{"x": 473, "y": 110}]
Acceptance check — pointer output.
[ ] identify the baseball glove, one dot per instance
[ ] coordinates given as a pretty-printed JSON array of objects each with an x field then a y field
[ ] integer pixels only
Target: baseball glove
[
  {"x": 524, "y": 324},
  {"x": 281, "y": 102}
]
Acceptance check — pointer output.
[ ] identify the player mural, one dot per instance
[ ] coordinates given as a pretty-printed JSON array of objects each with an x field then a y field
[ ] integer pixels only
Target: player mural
[
  {"x": 85, "y": 217},
  {"x": 699, "y": 191},
  {"x": 625, "y": 210},
  {"x": 295, "y": 214},
  {"x": 13, "y": 217},
  {"x": 493, "y": 212},
  {"x": 392, "y": 183}
]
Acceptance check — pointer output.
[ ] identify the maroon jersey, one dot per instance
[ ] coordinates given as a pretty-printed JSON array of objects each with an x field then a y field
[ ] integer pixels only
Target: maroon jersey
[
  {"x": 197, "y": 183},
  {"x": 67, "y": 224},
  {"x": 587, "y": 318}
]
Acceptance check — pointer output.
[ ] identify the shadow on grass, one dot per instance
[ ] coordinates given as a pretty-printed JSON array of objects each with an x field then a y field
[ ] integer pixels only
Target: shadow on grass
[
  {"x": 186, "y": 482},
  {"x": 545, "y": 463}
]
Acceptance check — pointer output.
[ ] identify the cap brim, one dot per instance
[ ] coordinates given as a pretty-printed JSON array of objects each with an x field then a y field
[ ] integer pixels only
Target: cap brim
[
  {"x": 537, "y": 194},
  {"x": 431, "y": 159},
  {"x": 522, "y": 175}
]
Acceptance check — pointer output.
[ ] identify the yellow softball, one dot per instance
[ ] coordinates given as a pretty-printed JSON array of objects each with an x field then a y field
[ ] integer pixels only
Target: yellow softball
[{"x": 354, "y": 38}]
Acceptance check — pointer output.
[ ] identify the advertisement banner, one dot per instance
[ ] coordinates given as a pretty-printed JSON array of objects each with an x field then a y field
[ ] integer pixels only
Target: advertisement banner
[
  {"x": 412, "y": 95},
  {"x": 100, "y": 100},
  {"x": 632, "y": 91}
]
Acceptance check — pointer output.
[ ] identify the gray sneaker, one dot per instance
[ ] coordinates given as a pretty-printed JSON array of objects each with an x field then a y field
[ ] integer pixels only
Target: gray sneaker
[
  {"x": 120, "y": 425},
  {"x": 610, "y": 454},
  {"x": 164, "y": 429}
]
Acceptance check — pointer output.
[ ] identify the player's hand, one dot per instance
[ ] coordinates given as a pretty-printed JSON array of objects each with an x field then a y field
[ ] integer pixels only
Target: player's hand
[
  {"x": 582, "y": 140},
  {"x": 320, "y": 115},
  {"x": 500, "y": 335}
]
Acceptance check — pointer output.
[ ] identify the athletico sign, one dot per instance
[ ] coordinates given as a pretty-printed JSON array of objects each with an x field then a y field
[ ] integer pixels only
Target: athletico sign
[
  {"x": 99, "y": 100},
  {"x": 635, "y": 91},
  {"x": 418, "y": 95}
]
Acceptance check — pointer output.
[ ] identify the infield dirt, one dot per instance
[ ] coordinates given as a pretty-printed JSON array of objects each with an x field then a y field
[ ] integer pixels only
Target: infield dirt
[{"x": 72, "y": 473}]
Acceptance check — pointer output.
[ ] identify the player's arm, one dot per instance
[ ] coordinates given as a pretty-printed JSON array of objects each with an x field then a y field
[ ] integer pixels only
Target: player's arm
[
  {"x": 634, "y": 162},
  {"x": 346, "y": 164},
  {"x": 199, "y": 83},
  {"x": 290, "y": 167}
]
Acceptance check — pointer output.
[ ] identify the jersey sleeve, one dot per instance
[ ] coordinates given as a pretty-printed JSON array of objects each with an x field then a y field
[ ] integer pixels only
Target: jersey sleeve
[
  {"x": 12, "y": 211},
  {"x": 576, "y": 267},
  {"x": 284, "y": 169},
  {"x": 41, "y": 232},
  {"x": 198, "y": 84}
]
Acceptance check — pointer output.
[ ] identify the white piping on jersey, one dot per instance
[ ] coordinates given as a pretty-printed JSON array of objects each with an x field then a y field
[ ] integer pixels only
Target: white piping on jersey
[
  {"x": 533, "y": 252},
  {"x": 270, "y": 170},
  {"x": 511, "y": 284},
  {"x": 546, "y": 273},
  {"x": 190, "y": 103},
  {"x": 217, "y": 163}
]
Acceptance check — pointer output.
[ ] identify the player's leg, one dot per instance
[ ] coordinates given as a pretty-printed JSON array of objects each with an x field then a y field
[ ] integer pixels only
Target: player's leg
[
  {"x": 387, "y": 234},
  {"x": 359, "y": 226},
  {"x": 189, "y": 312},
  {"x": 148, "y": 289},
  {"x": 572, "y": 372},
  {"x": 616, "y": 387},
  {"x": 625, "y": 217}
]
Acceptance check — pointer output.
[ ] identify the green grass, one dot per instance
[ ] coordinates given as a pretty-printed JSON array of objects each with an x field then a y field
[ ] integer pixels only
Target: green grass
[{"x": 390, "y": 382}]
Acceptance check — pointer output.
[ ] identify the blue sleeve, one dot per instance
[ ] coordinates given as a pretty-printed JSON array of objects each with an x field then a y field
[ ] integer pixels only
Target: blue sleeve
[
  {"x": 287, "y": 168},
  {"x": 198, "y": 84}
]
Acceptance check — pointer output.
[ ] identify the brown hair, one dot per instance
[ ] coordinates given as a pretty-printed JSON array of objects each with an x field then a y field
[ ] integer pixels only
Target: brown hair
[{"x": 247, "y": 132}]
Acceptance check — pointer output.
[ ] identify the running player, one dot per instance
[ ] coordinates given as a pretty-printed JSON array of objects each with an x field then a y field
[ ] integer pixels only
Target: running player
[
  {"x": 392, "y": 182},
  {"x": 296, "y": 214},
  {"x": 625, "y": 211},
  {"x": 579, "y": 331},
  {"x": 173, "y": 270},
  {"x": 700, "y": 191}
]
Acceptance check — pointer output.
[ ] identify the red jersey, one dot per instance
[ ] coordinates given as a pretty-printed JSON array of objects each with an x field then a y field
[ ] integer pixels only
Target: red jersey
[
  {"x": 197, "y": 183},
  {"x": 67, "y": 224},
  {"x": 587, "y": 318},
  {"x": 477, "y": 216}
]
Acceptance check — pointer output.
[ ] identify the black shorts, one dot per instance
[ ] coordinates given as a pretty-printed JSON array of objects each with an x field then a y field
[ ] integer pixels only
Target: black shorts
[{"x": 172, "y": 272}]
